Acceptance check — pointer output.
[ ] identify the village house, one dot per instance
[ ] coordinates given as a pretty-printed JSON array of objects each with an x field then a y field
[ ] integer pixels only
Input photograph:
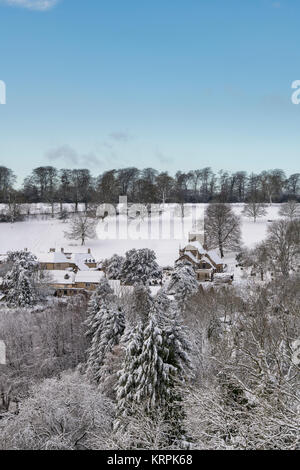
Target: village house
[
  {"x": 54, "y": 261},
  {"x": 68, "y": 283},
  {"x": 206, "y": 263},
  {"x": 70, "y": 270},
  {"x": 79, "y": 259},
  {"x": 88, "y": 280},
  {"x": 81, "y": 256},
  {"x": 62, "y": 282}
]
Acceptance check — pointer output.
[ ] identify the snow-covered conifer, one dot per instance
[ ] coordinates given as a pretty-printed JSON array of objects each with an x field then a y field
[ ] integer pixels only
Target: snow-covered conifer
[
  {"x": 19, "y": 282},
  {"x": 140, "y": 267},
  {"x": 139, "y": 305},
  {"x": 103, "y": 291},
  {"x": 108, "y": 325},
  {"x": 178, "y": 346},
  {"x": 155, "y": 376},
  {"x": 176, "y": 333},
  {"x": 183, "y": 282},
  {"x": 114, "y": 267},
  {"x": 127, "y": 383},
  {"x": 156, "y": 358},
  {"x": 178, "y": 343}
]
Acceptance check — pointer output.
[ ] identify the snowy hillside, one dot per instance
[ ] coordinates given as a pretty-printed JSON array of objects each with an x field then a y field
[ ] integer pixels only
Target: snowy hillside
[{"x": 39, "y": 235}]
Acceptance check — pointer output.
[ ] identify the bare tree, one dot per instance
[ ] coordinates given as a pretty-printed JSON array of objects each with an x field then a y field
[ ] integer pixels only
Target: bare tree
[
  {"x": 65, "y": 413},
  {"x": 250, "y": 395},
  {"x": 81, "y": 228},
  {"x": 107, "y": 187},
  {"x": 284, "y": 245},
  {"x": 81, "y": 187},
  {"x": 164, "y": 184},
  {"x": 13, "y": 209},
  {"x": 47, "y": 184},
  {"x": 257, "y": 259},
  {"x": 290, "y": 210},
  {"x": 7, "y": 180},
  {"x": 293, "y": 183},
  {"x": 272, "y": 183},
  {"x": 254, "y": 209},
  {"x": 222, "y": 228}
]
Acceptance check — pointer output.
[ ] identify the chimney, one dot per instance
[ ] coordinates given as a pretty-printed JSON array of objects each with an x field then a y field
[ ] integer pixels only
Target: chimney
[
  {"x": 89, "y": 251},
  {"x": 62, "y": 250}
]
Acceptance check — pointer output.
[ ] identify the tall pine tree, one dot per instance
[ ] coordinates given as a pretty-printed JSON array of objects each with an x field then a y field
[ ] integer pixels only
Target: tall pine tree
[
  {"x": 100, "y": 295},
  {"x": 108, "y": 325},
  {"x": 183, "y": 282},
  {"x": 114, "y": 267},
  {"x": 19, "y": 283},
  {"x": 140, "y": 267},
  {"x": 155, "y": 364}
]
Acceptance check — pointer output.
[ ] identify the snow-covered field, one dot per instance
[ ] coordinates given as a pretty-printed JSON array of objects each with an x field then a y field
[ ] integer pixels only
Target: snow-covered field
[{"x": 38, "y": 235}]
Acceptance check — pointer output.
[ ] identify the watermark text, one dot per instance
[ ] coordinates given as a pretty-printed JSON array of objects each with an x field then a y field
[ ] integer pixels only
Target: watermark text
[{"x": 2, "y": 92}]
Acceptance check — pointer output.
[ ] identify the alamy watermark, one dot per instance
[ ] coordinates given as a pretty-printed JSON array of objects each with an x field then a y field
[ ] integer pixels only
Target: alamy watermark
[
  {"x": 2, "y": 92},
  {"x": 2, "y": 353},
  {"x": 149, "y": 221},
  {"x": 296, "y": 95}
]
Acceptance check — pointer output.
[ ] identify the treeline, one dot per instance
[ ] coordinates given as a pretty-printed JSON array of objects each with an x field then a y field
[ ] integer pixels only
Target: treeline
[{"x": 51, "y": 185}]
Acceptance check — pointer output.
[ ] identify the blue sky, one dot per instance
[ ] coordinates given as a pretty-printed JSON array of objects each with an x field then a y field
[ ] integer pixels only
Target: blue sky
[{"x": 173, "y": 84}]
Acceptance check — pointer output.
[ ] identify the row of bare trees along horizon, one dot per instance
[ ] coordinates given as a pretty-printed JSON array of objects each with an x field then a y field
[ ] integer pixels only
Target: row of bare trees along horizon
[{"x": 51, "y": 185}]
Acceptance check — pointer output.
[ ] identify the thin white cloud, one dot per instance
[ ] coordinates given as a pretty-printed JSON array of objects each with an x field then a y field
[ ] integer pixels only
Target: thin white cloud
[{"x": 38, "y": 5}]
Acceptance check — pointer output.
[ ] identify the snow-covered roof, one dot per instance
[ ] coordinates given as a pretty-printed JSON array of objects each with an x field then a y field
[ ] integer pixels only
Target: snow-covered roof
[
  {"x": 80, "y": 259},
  {"x": 206, "y": 259},
  {"x": 61, "y": 277},
  {"x": 89, "y": 276},
  {"x": 76, "y": 249},
  {"x": 191, "y": 256},
  {"x": 191, "y": 246},
  {"x": 52, "y": 257},
  {"x": 195, "y": 246},
  {"x": 87, "y": 258},
  {"x": 215, "y": 257}
]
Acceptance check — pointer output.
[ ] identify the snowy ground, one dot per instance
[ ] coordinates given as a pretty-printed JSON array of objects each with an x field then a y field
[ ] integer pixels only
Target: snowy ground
[{"x": 38, "y": 235}]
